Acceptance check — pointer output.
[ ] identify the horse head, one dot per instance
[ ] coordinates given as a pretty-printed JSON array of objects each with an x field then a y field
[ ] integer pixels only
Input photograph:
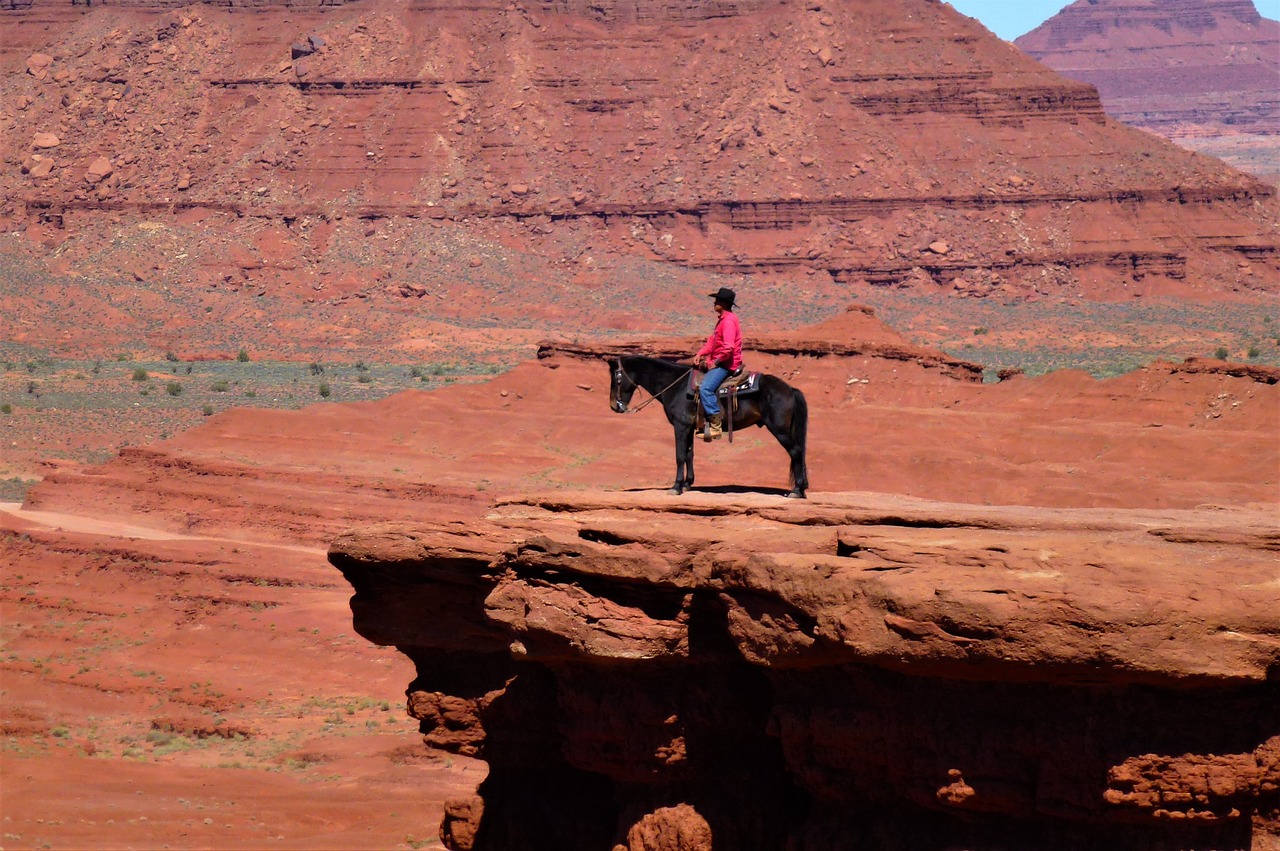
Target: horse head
[{"x": 621, "y": 386}]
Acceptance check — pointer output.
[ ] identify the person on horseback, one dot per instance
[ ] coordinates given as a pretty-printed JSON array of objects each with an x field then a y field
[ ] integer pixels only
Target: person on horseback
[{"x": 722, "y": 354}]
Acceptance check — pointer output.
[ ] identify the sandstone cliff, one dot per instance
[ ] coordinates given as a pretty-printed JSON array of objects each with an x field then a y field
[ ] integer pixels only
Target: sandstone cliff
[
  {"x": 270, "y": 158},
  {"x": 856, "y": 672}
]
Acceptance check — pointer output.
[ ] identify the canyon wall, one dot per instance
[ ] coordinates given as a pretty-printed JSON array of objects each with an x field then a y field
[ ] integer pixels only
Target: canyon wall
[{"x": 855, "y": 672}]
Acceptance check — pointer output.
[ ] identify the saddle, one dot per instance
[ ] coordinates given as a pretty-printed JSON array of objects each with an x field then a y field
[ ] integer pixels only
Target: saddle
[{"x": 739, "y": 383}]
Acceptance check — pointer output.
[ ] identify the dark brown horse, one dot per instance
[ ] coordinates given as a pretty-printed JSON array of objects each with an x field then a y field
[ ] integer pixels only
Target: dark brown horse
[{"x": 777, "y": 406}]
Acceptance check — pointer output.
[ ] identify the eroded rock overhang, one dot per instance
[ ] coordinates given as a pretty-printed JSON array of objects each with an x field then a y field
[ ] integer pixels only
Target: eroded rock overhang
[{"x": 761, "y": 672}]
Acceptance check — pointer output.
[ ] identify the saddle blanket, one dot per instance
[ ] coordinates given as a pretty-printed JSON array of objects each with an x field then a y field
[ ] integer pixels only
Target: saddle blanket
[{"x": 747, "y": 384}]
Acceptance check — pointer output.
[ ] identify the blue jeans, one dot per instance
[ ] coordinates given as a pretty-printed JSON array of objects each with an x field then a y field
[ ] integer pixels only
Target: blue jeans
[{"x": 707, "y": 389}]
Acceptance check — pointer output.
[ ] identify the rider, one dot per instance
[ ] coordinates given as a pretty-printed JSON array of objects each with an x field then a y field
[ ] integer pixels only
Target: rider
[{"x": 722, "y": 354}]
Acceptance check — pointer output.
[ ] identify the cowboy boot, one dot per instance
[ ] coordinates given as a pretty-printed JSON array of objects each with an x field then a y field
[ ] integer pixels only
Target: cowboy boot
[{"x": 715, "y": 426}]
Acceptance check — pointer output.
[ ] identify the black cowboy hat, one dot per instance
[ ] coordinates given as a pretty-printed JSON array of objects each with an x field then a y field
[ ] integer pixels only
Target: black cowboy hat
[{"x": 726, "y": 295}]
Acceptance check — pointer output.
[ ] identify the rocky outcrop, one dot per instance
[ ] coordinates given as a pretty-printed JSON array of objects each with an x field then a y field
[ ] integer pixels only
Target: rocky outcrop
[
  {"x": 853, "y": 672},
  {"x": 1200, "y": 72}
]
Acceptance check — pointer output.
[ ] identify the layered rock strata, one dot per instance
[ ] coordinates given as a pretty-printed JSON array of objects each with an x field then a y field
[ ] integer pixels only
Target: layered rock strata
[
  {"x": 1201, "y": 72},
  {"x": 724, "y": 137},
  {"x": 859, "y": 671}
]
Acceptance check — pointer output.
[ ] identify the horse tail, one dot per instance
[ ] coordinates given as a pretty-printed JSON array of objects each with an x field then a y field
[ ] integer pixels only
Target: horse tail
[{"x": 798, "y": 432}]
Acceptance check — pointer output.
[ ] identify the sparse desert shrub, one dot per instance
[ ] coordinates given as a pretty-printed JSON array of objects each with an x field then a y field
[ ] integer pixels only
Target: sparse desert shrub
[
  {"x": 242, "y": 356},
  {"x": 324, "y": 390},
  {"x": 1221, "y": 353},
  {"x": 97, "y": 367},
  {"x": 316, "y": 368},
  {"x": 251, "y": 393},
  {"x": 363, "y": 378},
  {"x": 979, "y": 331},
  {"x": 1254, "y": 352},
  {"x": 140, "y": 374},
  {"x": 121, "y": 358},
  {"x": 220, "y": 386},
  {"x": 360, "y": 366},
  {"x": 173, "y": 388},
  {"x": 207, "y": 410},
  {"x": 171, "y": 357},
  {"x": 6, "y": 408}
]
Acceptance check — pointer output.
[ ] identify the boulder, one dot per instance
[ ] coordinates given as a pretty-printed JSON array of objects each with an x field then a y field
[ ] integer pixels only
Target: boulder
[
  {"x": 38, "y": 65},
  {"x": 99, "y": 170}
]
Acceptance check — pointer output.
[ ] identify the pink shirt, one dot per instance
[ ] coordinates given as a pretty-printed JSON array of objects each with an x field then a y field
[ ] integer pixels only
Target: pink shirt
[{"x": 725, "y": 342}]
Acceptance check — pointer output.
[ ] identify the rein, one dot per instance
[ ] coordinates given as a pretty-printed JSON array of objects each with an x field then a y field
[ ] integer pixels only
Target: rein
[{"x": 654, "y": 396}]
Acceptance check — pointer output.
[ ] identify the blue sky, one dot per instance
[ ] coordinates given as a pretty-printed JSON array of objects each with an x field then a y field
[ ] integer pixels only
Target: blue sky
[{"x": 1012, "y": 18}]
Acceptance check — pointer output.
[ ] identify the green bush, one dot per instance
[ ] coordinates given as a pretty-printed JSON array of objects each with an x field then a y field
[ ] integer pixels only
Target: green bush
[
  {"x": 207, "y": 410},
  {"x": 324, "y": 390},
  {"x": 363, "y": 378},
  {"x": 1221, "y": 353},
  {"x": 6, "y": 408},
  {"x": 220, "y": 386},
  {"x": 173, "y": 388},
  {"x": 140, "y": 374},
  {"x": 242, "y": 356},
  {"x": 1254, "y": 352}
]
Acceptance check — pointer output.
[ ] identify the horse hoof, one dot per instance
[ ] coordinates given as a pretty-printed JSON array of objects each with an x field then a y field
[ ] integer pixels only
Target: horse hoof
[
  {"x": 796, "y": 495},
  {"x": 676, "y": 491}
]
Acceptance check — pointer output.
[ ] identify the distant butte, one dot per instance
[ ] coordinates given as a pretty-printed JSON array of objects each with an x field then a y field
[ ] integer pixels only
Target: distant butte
[{"x": 1203, "y": 73}]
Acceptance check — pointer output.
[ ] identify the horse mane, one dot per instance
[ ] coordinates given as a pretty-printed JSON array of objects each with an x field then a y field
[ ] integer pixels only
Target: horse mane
[{"x": 661, "y": 361}]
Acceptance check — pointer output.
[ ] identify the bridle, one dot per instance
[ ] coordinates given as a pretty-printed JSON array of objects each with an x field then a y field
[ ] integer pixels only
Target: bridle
[{"x": 621, "y": 372}]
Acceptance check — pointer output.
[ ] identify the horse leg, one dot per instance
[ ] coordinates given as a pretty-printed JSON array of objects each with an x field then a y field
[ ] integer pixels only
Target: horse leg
[
  {"x": 684, "y": 467},
  {"x": 799, "y": 478},
  {"x": 688, "y": 458}
]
